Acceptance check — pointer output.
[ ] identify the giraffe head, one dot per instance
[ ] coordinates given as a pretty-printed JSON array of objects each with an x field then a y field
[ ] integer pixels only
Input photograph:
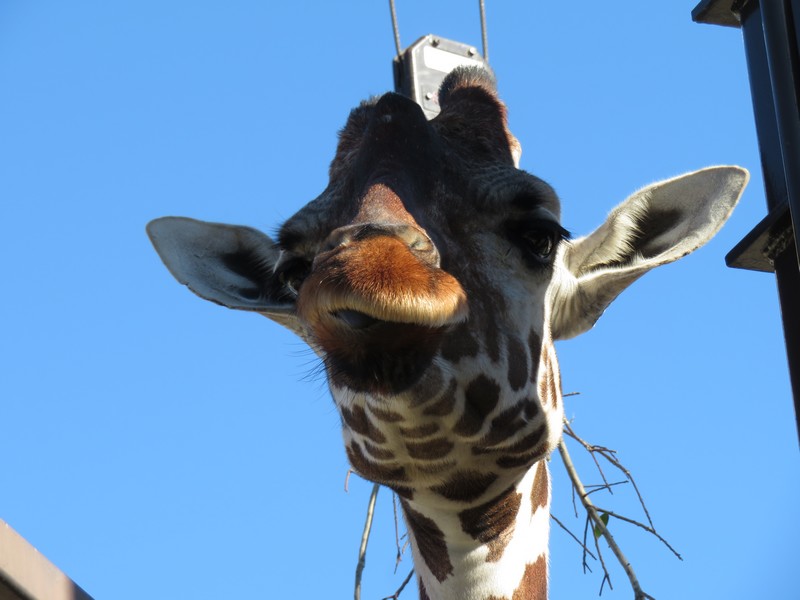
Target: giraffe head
[{"x": 431, "y": 276}]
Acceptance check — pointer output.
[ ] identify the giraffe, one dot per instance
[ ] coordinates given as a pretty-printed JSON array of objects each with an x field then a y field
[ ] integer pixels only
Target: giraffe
[{"x": 432, "y": 277}]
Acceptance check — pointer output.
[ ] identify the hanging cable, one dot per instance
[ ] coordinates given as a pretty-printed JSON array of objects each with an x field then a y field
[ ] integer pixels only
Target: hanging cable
[
  {"x": 484, "y": 37},
  {"x": 395, "y": 28}
]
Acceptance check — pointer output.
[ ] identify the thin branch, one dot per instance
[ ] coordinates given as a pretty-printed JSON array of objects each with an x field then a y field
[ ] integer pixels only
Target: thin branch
[
  {"x": 591, "y": 511},
  {"x": 399, "y": 591},
  {"x": 397, "y": 537},
  {"x": 585, "y": 547},
  {"x": 574, "y": 505},
  {"x": 396, "y": 534},
  {"x": 572, "y": 535},
  {"x": 643, "y": 526},
  {"x": 362, "y": 551},
  {"x": 606, "y": 486},
  {"x": 610, "y": 456},
  {"x": 589, "y": 448},
  {"x": 606, "y": 574}
]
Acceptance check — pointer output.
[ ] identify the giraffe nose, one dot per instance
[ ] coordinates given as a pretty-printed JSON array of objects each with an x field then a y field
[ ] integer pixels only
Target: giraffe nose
[
  {"x": 416, "y": 240},
  {"x": 389, "y": 272}
]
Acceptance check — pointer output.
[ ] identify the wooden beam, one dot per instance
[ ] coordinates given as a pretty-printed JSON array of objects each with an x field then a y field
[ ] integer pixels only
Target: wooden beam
[{"x": 25, "y": 574}]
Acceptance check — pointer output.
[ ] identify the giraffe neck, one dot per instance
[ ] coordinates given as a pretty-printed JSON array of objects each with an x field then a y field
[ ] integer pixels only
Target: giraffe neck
[{"x": 493, "y": 551}]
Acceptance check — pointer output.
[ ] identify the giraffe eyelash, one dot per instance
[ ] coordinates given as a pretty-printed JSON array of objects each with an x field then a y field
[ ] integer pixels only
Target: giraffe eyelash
[{"x": 537, "y": 239}]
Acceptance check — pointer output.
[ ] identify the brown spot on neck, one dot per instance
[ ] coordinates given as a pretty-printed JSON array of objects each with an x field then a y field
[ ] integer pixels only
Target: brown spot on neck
[
  {"x": 492, "y": 523},
  {"x": 385, "y": 415},
  {"x": 503, "y": 426},
  {"x": 423, "y": 593},
  {"x": 550, "y": 381},
  {"x": 527, "y": 442},
  {"x": 429, "y": 542},
  {"x": 540, "y": 492},
  {"x": 465, "y": 486},
  {"x": 534, "y": 582},
  {"x": 533, "y": 585},
  {"x": 378, "y": 452},
  {"x": 522, "y": 460},
  {"x": 531, "y": 408},
  {"x": 356, "y": 419},
  {"x": 491, "y": 336},
  {"x": 430, "y": 450},
  {"x": 379, "y": 473},
  {"x": 436, "y": 468},
  {"x": 420, "y": 431},
  {"x": 480, "y": 398},
  {"x": 459, "y": 344},
  {"x": 535, "y": 347},
  {"x": 517, "y": 363}
]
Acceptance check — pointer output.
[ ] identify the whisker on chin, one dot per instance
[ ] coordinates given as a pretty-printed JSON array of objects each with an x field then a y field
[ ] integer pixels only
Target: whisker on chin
[{"x": 314, "y": 370}]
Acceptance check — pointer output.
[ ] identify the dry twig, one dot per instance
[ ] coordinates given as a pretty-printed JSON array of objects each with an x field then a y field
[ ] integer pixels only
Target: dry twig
[
  {"x": 397, "y": 537},
  {"x": 642, "y": 525},
  {"x": 396, "y": 595},
  {"x": 611, "y": 457},
  {"x": 574, "y": 537},
  {"x": 600, "y": 526},
  {"x": 362, "y": 551}
]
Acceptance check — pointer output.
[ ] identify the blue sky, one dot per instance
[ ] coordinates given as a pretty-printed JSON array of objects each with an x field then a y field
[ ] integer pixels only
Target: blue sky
[{"x": 154, "y": 445}]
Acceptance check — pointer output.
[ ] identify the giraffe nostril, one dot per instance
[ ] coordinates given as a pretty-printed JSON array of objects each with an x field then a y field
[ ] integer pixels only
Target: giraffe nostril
[
  {"x": 421, "y": 246},
  {"x": 355, "y": 319},
  {"x": 416, "y": 240}
]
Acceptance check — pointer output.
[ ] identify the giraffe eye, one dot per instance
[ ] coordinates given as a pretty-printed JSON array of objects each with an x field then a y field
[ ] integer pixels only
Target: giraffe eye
[
  {"x": 292, "y": 273},
  {"x": 540, "y": 243},
  {"x": 538, "y": 240}
]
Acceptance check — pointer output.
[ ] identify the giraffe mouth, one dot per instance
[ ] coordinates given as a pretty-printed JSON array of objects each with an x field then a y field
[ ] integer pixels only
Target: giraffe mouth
[
  {"x": 355, "y": 319},
  {"x": 367, "y": 354}
]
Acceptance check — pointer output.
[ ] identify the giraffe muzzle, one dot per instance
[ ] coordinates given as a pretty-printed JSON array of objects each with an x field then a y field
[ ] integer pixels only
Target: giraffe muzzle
[
  {"x": 377, "y": 304},
  {"x": 385, "y": 278}
]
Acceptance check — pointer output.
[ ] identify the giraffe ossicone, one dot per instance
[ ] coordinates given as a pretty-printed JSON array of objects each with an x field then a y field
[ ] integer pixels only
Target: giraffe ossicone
[{"x": 432, "y": 276}]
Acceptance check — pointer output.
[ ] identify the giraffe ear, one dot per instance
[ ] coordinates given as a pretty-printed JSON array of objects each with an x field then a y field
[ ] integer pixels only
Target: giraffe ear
[
  {"x": 226, "y": 264},
  {"x": 656, "y": 225}
]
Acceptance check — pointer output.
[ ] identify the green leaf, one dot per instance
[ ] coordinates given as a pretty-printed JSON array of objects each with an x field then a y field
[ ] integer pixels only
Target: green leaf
[{"x": 597, "y": 531}]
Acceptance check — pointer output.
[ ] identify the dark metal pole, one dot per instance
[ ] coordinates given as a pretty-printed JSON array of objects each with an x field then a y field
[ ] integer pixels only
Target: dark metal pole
[
  {"x": 781, "y": 45},
  {"x": 769, "y": 30}
]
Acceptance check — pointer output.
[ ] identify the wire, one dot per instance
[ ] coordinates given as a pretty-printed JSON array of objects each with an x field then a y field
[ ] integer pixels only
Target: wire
[
  {"x": 484, "y": 37},
  {"x": 395, "y": 28}
]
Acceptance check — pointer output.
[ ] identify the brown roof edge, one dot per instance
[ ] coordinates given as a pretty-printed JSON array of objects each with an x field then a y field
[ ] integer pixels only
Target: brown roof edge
[{"x": 25, "y": 574}]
